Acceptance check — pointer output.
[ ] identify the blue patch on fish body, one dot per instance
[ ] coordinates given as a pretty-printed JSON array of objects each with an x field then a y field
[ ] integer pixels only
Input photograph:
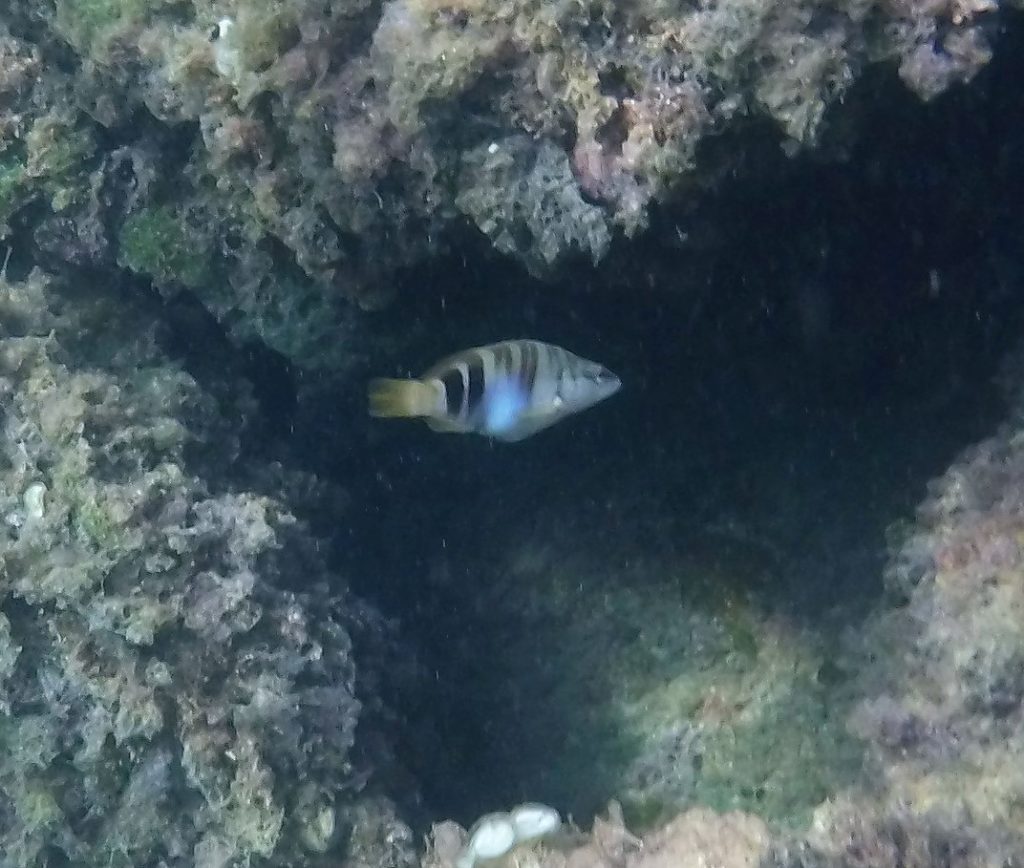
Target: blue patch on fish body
[{"x": 503, "y": 406}]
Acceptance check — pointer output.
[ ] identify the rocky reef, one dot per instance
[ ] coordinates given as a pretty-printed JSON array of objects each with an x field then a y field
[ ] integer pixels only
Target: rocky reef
[
  {"x": 179, "y": 676},
  {"x": 283, "y": 159},
  {"x": 239, "y": 628}
]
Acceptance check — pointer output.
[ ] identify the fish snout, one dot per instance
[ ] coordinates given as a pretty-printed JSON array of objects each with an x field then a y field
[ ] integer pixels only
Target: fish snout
[{"x": 608, "y": 380}]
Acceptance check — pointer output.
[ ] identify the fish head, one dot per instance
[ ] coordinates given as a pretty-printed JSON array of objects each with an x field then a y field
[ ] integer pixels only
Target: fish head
[{"x": 586, "y": 385}]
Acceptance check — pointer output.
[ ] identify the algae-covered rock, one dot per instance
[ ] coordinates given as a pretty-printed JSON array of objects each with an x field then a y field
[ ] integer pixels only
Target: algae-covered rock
[
  {"x": 544, "y": 218},
  {"x": 175, "y": 691},
  {"x": 944, "y": 712},
  {"x": 657, "y": 676},
  {"x": 158, "y": 243},
  {"x": 318, "y": 151}
]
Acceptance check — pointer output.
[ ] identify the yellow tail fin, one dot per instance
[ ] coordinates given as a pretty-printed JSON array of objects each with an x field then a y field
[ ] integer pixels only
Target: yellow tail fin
[{"x": 401, "y": 398}]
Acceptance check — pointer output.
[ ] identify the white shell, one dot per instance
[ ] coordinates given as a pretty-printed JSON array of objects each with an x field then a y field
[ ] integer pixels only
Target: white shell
[
  {"x": 34, "y": 499},
  {"x": 493, "y": 835},
  {"x": 532, "y": 821},
  {"x": 226, "y": 57}
]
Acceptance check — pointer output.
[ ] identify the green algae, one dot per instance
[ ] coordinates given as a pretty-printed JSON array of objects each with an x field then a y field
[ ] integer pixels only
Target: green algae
[
  {"x": 157, "y": 243},
  {"x": 86, "y": 23},
  {"x": 667, "y": 685},
  {"x": 56, "y": 152},
  {"x": 50, "y": 161}
]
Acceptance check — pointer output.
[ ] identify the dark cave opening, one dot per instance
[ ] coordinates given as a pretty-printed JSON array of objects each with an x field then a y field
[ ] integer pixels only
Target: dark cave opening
[{"x": 816, "y": 331}]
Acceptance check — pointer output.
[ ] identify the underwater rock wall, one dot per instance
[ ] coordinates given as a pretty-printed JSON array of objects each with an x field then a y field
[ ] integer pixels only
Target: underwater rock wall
[
  {"x": 946, "y": 713},
  {"x": 282, "y": 158},
  {"x": 943, "y": 681},
  {"x": 181, "y": 676}
]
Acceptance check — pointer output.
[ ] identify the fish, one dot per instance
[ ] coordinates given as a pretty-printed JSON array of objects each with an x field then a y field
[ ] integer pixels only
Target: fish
[{"x": 507, "y": 391}]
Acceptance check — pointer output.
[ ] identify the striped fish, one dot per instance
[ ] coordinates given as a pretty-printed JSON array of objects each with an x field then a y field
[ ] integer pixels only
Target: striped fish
[{"x": 508, "y": 390}]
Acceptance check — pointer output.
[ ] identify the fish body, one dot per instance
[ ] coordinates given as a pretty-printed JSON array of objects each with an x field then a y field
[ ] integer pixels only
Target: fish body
[{"x": 508, "y": 390}]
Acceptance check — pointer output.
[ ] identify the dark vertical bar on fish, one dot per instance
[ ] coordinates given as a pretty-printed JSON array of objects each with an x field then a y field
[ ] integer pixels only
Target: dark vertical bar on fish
[
  {"x": 502, "y": 359},
  {"x": 455, "y": 391},
  {"x": 475, "y": 374},
  {"x": 529, "y": 372}
]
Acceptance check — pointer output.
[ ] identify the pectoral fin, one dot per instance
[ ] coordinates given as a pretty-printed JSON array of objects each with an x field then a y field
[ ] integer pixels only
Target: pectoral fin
[{"x": 527, "y": 425}]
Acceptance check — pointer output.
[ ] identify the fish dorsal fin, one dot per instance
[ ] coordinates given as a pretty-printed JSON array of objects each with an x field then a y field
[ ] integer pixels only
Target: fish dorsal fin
[
  {"x": 467, "y": 356},
  {"x": 438, "y": 369}
]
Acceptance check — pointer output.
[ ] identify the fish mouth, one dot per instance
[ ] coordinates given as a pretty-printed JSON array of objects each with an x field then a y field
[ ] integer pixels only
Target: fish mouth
[{"x": 609, "y": 381}]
